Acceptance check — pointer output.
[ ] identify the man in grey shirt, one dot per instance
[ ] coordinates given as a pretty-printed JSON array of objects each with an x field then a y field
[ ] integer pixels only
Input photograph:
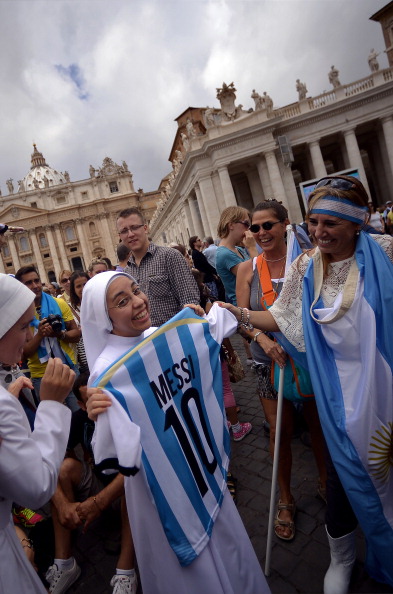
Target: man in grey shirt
[{"x": 162, "y": 273}]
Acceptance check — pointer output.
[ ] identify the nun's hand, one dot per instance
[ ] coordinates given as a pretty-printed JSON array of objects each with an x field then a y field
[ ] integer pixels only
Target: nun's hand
[
  {"x": 57, "y": 381},
  {"x": 197, "y": 308},
  {"x": 18, "y": 385},
  {"x": 97, "y": 402}
]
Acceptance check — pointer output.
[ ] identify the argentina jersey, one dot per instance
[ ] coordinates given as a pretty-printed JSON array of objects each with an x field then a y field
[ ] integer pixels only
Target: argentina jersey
[{"x": 169, "y": 387}]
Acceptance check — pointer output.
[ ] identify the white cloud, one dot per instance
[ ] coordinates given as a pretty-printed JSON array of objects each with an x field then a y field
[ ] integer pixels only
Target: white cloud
[{"x": 141, "y": 63}]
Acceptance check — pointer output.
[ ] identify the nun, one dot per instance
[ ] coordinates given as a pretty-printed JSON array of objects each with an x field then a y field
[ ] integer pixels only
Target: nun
[{"x": 29, "y": 461}]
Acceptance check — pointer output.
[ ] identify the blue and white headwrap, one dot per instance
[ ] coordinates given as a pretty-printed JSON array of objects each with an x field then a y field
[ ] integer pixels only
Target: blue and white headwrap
[{"x": 342, "y": 208}]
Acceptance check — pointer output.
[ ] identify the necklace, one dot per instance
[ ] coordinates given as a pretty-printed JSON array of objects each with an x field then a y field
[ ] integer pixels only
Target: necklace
[{"x": 278, "y": 259}]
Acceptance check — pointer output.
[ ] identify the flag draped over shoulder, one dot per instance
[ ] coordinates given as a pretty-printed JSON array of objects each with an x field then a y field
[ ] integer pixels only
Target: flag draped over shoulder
[
  {"x": 170, "y": 386},
  {"x": 351, "y": 361}
]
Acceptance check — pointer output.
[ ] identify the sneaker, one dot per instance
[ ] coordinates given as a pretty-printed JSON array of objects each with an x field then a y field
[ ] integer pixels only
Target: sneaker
[
  {"x": 245, "y": 429},
  {"x": 124, "y": 584},
  {"x": 25, "y": 516},
  {"x": 61, "y": 579}
]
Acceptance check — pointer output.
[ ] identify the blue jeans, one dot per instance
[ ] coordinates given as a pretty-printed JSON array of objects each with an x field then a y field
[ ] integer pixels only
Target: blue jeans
[{"x": 70, "y": 401}]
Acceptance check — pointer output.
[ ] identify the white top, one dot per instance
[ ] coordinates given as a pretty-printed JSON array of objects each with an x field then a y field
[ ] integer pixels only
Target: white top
[
  {"x": 287, "y": 310},
  {"x": 29, "y": 466}
]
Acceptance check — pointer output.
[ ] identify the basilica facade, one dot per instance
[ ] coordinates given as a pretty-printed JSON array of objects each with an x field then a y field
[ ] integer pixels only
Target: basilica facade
[{"x": 66, "y": 223}]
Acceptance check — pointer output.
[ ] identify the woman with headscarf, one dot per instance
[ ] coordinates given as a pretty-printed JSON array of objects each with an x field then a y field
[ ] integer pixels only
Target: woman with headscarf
[
  {"x": 29, "y": 462},
  {"x": 165, "y": 430},
  {"x": 335, "y": 312}
]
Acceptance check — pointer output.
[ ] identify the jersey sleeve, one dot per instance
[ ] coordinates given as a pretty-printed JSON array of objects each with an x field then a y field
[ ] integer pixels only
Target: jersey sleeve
[
  {"x": 116, "y": 441},
  {"x": 221, "y": 323}
]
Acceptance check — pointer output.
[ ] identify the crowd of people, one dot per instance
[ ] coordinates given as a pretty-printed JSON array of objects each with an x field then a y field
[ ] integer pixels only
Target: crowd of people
[{"x": 140, "y": 355}]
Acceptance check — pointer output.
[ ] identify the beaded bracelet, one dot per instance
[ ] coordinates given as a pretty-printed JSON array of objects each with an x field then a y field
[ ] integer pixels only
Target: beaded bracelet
[{"x": 246, "y": 324}]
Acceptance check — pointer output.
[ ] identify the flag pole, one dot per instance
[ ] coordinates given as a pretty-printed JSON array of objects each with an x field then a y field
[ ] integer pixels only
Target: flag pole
[{"x": 275, "y": 472}]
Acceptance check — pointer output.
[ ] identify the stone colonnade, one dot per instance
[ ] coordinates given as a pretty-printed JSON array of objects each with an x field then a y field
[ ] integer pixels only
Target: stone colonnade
[{"x": 211, "y": 193}]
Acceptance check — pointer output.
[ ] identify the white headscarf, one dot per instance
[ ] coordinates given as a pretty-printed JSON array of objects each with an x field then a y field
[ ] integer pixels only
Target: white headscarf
[
  {"x": 95, "y": 321},
  {"x": 15, "y": 299}
]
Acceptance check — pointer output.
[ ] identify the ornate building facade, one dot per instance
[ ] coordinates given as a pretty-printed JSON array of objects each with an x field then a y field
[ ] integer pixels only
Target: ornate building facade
[
  {"x": 229, "y": 155},
  {"x": 67, "y": 224}
]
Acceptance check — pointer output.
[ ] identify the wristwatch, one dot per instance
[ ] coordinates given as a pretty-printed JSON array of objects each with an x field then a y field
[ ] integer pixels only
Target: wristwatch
[{"x": 256, "y": 335}]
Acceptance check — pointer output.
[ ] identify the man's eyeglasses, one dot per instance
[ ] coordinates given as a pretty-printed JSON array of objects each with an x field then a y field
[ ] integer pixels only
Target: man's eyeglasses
[
  {"x": 65, "y": 281},
  {"x": 335, "y": 182},
  {"x": 245, "y": 223},
  {"x": 266, "y": 226},
  {"x": 133, "y": 229}
]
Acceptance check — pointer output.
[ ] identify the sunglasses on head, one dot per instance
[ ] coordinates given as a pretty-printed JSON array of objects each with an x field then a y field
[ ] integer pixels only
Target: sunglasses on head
[
  {"x": 335, "y": 182},
  {"x": 245, "y": 223},
  {"x": 266, "y": 226}
]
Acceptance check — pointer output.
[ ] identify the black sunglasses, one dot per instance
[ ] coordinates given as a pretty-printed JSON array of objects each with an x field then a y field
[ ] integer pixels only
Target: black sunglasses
[
  {"x": 335, "y": 182},
  {"x": 266, "y": 226},
  {"x": 245, "y": 223}
]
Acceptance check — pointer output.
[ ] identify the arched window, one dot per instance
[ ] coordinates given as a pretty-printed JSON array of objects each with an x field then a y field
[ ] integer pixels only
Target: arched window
[
  {"x": 43, "y": 240},
  {"x": 69, "y": 233},
  {"x": 92, "y": 229},
  {"x": 24, "y": 244}
]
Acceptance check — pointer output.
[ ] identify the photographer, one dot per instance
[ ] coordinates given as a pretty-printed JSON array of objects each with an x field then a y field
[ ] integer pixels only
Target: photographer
[{"x": 53, "y": 332}]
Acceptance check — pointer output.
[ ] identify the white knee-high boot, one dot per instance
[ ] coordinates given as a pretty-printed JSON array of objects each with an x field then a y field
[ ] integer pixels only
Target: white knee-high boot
[{"x": 342, "y": 560}]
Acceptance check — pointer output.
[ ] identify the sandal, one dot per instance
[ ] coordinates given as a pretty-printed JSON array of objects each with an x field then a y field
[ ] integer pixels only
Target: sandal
[
  {"x": 232, "y": 485},
  {"x": 291, "y": 507}
]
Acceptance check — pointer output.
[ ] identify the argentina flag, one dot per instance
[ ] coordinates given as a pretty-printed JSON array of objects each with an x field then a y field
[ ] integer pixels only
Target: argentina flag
[
  {"x": 170, "y": 387},
  {"x": 350, "y": 362}
]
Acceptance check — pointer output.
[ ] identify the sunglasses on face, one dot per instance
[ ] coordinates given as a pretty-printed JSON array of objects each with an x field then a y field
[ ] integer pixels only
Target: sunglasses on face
[
  {"x": 65, "y": 280},
  {"x": 335, "y": 182},
  {"x": 266, "y": 226},
  {"x": 245, "y": 223}
]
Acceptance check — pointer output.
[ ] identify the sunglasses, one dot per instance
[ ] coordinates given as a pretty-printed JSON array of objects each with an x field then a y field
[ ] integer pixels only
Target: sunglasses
[
  {"x": 245, "y": 223},
  {"x": 266, "y": 226},
  {"x": 335, "y": 182},
  {"x": 65, "y": 280}
]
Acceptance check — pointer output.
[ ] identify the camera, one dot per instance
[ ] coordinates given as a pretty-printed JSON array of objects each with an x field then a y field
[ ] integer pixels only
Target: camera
[{"x": 55, "y": 321}]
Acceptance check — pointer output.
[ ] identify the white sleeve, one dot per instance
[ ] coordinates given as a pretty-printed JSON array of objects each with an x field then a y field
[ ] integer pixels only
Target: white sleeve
[
  {"x": 116, "y": 441},
  {"x": 30, "y": 462},
  {"x": 221, "y": 323}
]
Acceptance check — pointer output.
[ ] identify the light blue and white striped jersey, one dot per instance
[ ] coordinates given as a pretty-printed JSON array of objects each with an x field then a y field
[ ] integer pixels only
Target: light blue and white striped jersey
[{"x": 169, "y": 386}]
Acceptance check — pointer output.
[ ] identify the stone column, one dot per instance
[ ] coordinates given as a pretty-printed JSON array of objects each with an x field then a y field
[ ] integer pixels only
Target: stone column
[
  {"x": 210, "y": 203},
  {"x": 107, "y": 236},
  {"x": 63, "y": 255},
  {"x": 265, "y": 179},
  {"x": 205, "y": 223},
  {"x": 85, "y": 248},
  {"x": 317, "y": 159},
  {"x": 195, "y": 218},
  {"x": 53, "y": 251},
  {"x": 354, "y": 156},
  {"x": 387, "y": 125},
  {"x": 37, "y": 255},
  {"x": 275, "y": 179},
  {"x": 227, "y": 188},
  {"x": 14, "y": 253},
  {"x": 2, "y": 269}
]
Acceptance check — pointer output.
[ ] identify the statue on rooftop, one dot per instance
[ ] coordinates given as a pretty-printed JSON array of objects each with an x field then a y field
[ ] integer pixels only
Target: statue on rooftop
[
  {"x": 21, "y": 185},
  {"x": 66, "y": 176},
  {"x": 209, "y": 117},
  {"x": 185, "y": 141},
  {"x": 226, "y": 96},
  {"x": 190, "y": 129},
  {"x": 268, "y": 103},
  {"x": 92, "y": 171},
  {"x": 259, "y": 101},
  {"x": 10, "y": 186},
  {"x": 372, "y": 60},
  {"x": 333, "y": 77},
  {"x": 301, "y": 89}
]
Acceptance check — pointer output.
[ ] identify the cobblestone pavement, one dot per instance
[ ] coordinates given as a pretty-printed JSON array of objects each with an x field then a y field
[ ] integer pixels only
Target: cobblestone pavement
[{"x": 297, "y": 566}]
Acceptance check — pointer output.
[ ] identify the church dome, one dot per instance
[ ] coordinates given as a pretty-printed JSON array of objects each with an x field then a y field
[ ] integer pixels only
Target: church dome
[{"x": 41, "y": 175}]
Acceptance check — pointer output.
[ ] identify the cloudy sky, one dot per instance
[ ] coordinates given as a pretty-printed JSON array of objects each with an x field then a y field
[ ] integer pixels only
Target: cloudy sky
[{"x": 86, "y": 79}]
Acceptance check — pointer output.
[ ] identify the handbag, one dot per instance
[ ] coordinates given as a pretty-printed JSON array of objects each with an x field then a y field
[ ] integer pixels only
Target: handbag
[
  {"x": 235, "y": 367},
  {"x": 297, "y": 381}
]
